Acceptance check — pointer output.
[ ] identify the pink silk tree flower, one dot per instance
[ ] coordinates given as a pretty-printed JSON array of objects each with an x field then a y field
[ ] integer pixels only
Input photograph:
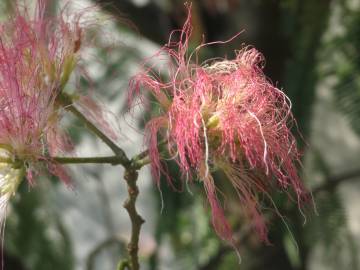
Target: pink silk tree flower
[
  {"x": 38, "y": 53},
  {"x": 35, "y": 59},
  {"x": 222, "y": 116}
]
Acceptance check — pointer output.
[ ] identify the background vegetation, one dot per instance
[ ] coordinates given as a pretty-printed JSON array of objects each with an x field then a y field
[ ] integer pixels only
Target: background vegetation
[{"x": 312, "y": 53}]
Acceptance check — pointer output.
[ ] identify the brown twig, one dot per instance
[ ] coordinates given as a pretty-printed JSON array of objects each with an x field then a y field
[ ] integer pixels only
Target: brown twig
[
  {"x": 130, "y": 177},
  {"x": 333, "y": 181}
]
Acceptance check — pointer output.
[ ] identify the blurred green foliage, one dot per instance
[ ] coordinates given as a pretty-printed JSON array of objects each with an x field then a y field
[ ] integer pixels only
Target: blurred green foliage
[
  {"x": 292, "y": 35},
  {"x": 35, "y": 234}
]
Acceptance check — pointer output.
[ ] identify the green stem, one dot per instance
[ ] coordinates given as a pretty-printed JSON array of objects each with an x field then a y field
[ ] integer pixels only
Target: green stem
[
  {"x": 131, "y": 176},
  {"x": 142, "y": 159},
  {"x": 113, "y": 160},
  {"x": 136, "y": 163},
  {"x": 66, "y": 101}
]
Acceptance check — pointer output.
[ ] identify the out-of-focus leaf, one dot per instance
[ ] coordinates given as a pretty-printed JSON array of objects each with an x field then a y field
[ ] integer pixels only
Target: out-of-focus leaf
[
  {"x": 329, "y": 227},
  {"x": 345, "y": 67},
  {"x": 35, "y": 235}
]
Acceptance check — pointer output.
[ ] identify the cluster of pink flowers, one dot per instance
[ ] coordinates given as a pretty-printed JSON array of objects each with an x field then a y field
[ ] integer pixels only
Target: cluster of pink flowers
[
  {"x": 37, "y": 56},
  {"x": 38, "y": 53},
  {"x": 222, "y": 116}
]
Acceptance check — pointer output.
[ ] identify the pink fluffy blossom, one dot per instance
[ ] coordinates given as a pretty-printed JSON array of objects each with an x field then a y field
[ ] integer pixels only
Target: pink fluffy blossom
[
  {"x": 36, "y": 58},
  {"x": 38, "y": 53},
  {"x": 222, "y": 116}
]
